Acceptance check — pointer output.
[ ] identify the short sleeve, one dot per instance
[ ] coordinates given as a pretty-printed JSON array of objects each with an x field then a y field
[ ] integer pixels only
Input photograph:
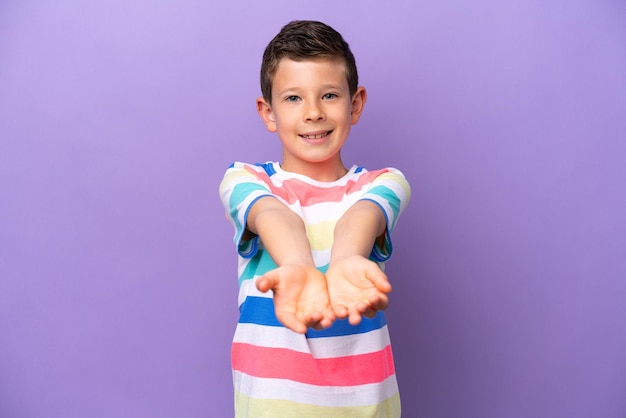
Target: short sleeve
[
  {"x": 391, "y": 192},
  {"x": 242, "y": 185}
]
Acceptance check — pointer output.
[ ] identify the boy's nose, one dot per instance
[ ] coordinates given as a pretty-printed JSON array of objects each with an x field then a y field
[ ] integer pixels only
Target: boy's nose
[{"x": 314, "y": 112}]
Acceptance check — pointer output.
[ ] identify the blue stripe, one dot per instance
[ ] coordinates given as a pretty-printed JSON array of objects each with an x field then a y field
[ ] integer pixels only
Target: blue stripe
[
  {"x": 260, "y": 311},
  {"x": 267, "y": 167},
  {"x": 257, "y": 310},
  {"x": 382, "y": 254},
  {"x": 342, "y": 327}
]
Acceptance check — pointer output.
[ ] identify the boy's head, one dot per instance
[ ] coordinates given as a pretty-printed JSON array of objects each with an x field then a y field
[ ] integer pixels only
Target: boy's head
[{"x": 301, "y": 40}]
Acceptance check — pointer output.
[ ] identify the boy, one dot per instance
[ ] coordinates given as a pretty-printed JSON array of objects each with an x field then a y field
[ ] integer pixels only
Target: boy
[{"x": 312, "y": 237}]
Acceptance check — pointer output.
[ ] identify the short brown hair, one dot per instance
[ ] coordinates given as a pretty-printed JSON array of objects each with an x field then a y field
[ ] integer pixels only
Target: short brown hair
[{"x": 306, "y": 39}]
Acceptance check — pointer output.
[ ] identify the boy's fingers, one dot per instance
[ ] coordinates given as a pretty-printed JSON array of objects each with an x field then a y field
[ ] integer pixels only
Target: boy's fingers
[
  {"x": 268, "y": 281},
  {"x": 291, "y": 321},
  {"x": 379, "y": 279},
  {"x": 355, "y": 317},
  {"x": 322, "y": 323},
  {"x": 340, "y": 311},
  {"x": 369, "y": 312},
  {"x": 329, "y": 317},
  {"x": 263, "y": 284},
  {"x": 378, "y": 302},
  {"x": 319, "y": 319},
  {"x": 327, "y": 321},
  {"x": 312, "y": 319},
  {"x": 370, "y": 309}
]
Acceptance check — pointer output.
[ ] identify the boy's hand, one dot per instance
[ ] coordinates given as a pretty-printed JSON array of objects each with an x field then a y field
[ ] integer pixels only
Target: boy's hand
[
  {"x": 300, "y": 297},
  {"x": 357, "y": 287}
]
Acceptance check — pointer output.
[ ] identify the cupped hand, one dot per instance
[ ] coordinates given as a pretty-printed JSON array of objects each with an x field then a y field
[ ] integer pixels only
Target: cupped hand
[
  {"x": 300, "y": 297},
  {"x": 357, "y": 287}
]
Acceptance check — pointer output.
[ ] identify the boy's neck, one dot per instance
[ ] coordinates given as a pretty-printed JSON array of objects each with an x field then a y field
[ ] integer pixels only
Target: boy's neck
[{"x": 326, "y": 171}]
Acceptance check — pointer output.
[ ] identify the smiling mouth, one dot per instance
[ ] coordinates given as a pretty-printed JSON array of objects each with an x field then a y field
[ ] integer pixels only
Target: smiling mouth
[{"x": 316, "y": 136}]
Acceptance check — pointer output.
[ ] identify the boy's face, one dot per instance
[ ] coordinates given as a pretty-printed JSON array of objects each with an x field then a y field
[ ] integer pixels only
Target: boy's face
[{"x": 312, "y": 112}]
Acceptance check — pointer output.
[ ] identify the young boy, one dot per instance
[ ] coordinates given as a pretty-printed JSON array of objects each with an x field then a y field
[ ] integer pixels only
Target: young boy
[{"x": 312, "y": 237}]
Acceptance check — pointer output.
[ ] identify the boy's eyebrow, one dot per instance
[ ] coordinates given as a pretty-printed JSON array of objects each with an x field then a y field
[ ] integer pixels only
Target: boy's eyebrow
[
  {"x": 332, "y": 86},
  {"x": 296, "y": 89},
  {"x": 288, "y": 89}
]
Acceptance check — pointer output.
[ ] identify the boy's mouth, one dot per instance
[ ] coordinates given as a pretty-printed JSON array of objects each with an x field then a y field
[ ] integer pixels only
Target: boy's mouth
[{"x": 316, "y": 135}]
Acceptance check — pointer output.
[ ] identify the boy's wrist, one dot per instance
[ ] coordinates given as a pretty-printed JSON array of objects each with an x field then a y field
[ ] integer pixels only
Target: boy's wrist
[
  {"x": 297, "y": 262},
  {"x": 334, "y": 259}
]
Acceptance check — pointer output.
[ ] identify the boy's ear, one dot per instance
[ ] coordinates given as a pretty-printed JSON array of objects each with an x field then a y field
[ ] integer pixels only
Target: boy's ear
[
  {"x": 358, "y": 103},
  {"x": 267, "y": 115}
]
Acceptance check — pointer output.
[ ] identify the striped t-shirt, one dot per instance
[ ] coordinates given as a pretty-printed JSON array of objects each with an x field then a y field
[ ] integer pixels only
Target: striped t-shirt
[{"x": 342, "y": 371}]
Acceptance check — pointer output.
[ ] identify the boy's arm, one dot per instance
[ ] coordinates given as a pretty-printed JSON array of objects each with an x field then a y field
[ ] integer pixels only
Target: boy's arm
[
  {"x": 357, "y": 286},
  {"x": 300, "y": 291},
  {"x": 357, "y": 230}
]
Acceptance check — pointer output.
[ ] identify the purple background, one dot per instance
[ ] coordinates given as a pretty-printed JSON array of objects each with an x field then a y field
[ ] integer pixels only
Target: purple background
[{"x": 117, "y": 271}]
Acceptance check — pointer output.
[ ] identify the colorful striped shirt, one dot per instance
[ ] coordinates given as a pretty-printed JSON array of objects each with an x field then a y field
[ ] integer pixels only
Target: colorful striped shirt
[{"x": 342, "y": 371}]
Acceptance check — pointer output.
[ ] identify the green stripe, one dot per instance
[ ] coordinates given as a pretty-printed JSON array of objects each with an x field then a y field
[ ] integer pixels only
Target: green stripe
[
  {"x": 239, "y": 194},
  {"x": 264, "y": 263},
  {"x": 260, "y": 264},
  {"x": 390, "y": 196}
]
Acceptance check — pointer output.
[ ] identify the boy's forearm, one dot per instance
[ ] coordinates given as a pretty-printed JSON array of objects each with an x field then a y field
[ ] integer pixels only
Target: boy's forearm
[
  {"x": 282, "y": 232},
  {"x": 357, "y": 231}
]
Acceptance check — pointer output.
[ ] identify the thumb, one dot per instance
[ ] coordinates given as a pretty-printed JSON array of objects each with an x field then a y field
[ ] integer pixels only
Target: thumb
[
  {"x": 268, "y": 281},
  {"x": 379, "y": 278}
]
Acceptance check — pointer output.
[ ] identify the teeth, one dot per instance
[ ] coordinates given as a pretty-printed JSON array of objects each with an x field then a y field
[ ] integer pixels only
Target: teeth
[{"x": 319, "y": 136}]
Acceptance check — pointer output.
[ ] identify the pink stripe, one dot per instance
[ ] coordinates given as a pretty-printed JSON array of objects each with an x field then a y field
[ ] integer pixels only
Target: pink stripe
[
  {"x": 281, "y": 363},
  {"x": 308, "y": 194}
]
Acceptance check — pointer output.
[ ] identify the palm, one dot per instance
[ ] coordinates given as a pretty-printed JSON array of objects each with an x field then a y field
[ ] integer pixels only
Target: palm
[
  {"x": 300, "y": 297},
  {"x": 357, "y": 287}
]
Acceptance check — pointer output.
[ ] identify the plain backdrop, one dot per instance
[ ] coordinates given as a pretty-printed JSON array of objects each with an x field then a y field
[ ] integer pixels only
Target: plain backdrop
[{"x": 117, "y": 268}]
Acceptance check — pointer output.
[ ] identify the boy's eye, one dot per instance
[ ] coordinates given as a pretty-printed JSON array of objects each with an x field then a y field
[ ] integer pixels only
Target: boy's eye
[
  {"x": 328, "y": 96},
  {"x": 292, "y": 98}
]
